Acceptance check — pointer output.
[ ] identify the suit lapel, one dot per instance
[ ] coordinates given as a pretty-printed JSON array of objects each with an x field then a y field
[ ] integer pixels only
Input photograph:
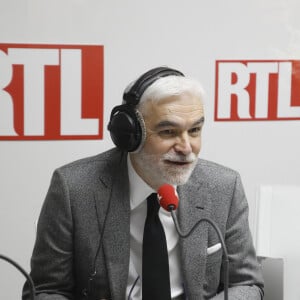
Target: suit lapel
[
  {"x": 194, "y": 204},
  {"x": 117, "y": 229}
]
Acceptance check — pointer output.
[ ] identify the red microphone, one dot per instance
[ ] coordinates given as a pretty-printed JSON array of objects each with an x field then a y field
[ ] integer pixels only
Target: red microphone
[{"x": 167, "y": 196}]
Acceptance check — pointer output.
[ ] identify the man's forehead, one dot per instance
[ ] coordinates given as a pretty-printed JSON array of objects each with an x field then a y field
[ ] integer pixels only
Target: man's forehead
[
  {"x": 181, "y": 110},
  {"x": 189, "y": 108}
]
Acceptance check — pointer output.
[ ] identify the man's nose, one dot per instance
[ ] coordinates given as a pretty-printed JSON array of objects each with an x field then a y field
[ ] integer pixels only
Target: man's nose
[{"x": 183, "y": 144}]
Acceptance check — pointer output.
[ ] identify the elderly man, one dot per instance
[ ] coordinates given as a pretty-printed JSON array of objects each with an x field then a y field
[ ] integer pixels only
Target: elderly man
[{"x": 101, "y": 234}]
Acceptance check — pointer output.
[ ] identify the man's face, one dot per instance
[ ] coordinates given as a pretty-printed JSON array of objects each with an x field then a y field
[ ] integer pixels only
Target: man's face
[{"x": 173, "y": 140}]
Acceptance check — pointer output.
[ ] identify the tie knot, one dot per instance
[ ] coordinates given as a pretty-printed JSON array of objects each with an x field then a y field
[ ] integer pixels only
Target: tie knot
[{"x": 152, "y": 204}]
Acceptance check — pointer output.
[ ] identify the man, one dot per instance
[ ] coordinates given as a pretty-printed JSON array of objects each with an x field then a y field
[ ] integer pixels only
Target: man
[{"x": 91, "y": 238}]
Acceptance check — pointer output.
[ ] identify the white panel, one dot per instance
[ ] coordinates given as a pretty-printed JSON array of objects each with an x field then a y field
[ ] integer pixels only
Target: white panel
[
  {"x": 263, "y": 244},
  {"x": 278, "y": 232}
]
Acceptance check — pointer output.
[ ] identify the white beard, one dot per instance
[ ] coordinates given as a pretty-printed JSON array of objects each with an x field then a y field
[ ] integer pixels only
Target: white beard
[{"x": 159, "y": 169}]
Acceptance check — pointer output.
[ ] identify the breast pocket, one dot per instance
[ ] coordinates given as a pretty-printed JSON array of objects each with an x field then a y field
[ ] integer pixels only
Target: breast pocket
[{"x": 213, "y": 268}]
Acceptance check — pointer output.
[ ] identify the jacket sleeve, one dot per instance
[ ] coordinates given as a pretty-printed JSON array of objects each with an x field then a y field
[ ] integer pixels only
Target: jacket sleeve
[
  {"x": 245, "y": 277},
  {"x": 52, "y": 260},
  {"x": 242, "y": 293}
]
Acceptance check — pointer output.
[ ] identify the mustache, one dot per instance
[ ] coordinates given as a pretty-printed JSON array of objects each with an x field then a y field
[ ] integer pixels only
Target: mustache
[{"x": 191, "y": 157}]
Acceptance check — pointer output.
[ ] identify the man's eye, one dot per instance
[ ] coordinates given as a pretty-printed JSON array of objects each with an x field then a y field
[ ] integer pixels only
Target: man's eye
[
  {"x": 167, "y": 133},
  {"x": 195, "y": 131}
]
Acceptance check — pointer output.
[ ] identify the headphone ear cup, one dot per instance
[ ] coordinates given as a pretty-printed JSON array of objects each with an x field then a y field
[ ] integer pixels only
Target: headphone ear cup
[{"x": 126, "y": 128}]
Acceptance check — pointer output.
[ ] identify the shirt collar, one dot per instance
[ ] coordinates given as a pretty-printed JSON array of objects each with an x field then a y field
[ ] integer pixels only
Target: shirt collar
[{"x": 139, "y": 189}]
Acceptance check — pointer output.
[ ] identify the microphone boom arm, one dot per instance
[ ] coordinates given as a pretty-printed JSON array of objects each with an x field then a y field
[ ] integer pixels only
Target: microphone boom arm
[
  {"x": 216, "y": 228},
  {"x": 29, "y": 279}
]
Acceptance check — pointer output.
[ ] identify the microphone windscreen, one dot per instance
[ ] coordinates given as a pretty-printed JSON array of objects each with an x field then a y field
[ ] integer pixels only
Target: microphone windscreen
[{"x": 168, "y": 198}]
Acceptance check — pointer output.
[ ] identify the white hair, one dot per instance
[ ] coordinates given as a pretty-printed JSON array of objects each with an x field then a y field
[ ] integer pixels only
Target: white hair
[{"x": 170, "y": 86}]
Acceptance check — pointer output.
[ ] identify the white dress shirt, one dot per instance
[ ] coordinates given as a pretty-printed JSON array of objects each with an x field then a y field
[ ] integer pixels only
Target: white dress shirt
[{"x": 139, "y": 191}]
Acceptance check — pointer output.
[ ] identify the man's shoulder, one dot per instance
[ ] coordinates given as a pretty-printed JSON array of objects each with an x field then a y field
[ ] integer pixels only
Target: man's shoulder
[
  {"x": 214, "y": 172},
  {"x": 216, "y": 178},
  {"x": 211, "y": 166},
  {"x": 99, "y": 163}
]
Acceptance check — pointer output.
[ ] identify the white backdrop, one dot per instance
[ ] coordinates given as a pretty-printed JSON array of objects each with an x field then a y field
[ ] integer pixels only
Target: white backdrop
[{"x": 138, "y": 35}]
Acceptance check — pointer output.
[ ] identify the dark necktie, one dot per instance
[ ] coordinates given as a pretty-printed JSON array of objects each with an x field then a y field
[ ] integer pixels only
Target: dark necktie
[{"x": 156, "y": 278}]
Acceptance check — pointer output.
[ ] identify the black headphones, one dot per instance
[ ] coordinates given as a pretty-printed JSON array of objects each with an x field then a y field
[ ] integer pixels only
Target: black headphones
[{"x": 126, "y": 124}]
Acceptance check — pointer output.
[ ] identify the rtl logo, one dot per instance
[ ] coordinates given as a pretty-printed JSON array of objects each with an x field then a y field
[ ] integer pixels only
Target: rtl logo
[
  {"x": 51, "y": 92},
  {"x": 257, "y": 90}
]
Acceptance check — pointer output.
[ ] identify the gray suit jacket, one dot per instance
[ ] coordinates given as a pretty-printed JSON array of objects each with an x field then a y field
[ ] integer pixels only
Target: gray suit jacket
[{"x": 73, "y": 214}]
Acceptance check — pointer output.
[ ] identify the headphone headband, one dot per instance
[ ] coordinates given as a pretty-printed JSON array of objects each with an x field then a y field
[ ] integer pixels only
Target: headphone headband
[{"x": 135, "y": 93}]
